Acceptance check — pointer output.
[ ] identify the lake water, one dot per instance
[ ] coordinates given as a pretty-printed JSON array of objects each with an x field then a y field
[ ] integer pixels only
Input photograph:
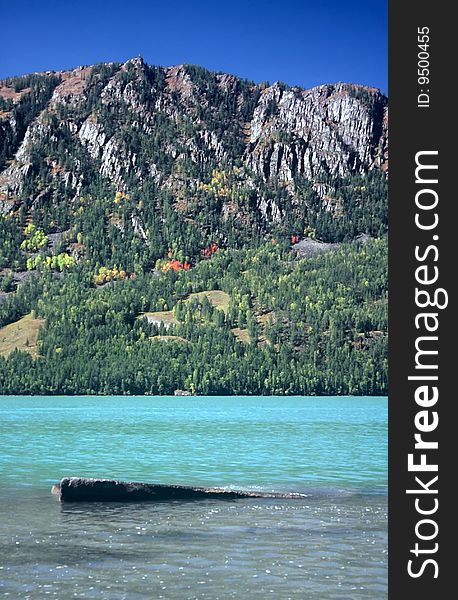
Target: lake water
[{"x": 330, "y": 545}]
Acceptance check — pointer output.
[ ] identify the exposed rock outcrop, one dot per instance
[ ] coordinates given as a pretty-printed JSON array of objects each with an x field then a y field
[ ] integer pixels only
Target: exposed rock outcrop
[{"x": 301, "y": 132}]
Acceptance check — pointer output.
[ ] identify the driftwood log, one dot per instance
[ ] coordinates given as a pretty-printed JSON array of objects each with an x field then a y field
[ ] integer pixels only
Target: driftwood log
[{"x": 83, "y": 489}]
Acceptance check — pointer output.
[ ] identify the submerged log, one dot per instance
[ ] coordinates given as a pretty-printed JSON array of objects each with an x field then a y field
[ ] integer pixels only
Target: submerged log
[{"x": 82, "y": 489}]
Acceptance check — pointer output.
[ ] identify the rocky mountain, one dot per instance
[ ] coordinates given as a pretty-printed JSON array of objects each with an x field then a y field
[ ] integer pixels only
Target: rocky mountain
[
  {"x": 260, "y": 153},
  {"x": 167, "y": 229}
]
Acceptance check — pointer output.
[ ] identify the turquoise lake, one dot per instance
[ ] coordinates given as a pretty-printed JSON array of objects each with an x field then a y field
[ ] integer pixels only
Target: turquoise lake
[{"x": 330, "y": 545}]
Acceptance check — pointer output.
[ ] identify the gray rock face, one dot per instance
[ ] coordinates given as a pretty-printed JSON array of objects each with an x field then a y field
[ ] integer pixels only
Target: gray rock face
[
  {"x": 81, "y": 489},
  {"x": 308, "y": 247},
  {"x": 301, "y": 132}
]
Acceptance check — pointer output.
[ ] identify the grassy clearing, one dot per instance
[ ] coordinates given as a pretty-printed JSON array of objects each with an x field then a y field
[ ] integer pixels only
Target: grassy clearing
[
  {"x": 242, "y": 335},
  {"x": 168, "y": 338},
  {"x": 20, "y": 335},
  {"x": 264, "y": 318},
  {"x": 217, "y": 298},
  {"x": 164, "y": 316}
]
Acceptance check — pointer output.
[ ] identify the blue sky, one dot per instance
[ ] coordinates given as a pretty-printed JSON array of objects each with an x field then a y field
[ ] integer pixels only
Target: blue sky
[{"x": 299, "y": 42}]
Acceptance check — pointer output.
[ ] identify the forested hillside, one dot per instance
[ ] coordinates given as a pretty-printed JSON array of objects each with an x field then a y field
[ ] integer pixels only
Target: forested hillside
[{"x": 172, "y": 229}]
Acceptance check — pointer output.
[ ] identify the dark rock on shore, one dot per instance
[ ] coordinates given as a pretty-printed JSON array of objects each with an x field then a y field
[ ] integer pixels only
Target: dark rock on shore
[{"x": 82, "y": 489}]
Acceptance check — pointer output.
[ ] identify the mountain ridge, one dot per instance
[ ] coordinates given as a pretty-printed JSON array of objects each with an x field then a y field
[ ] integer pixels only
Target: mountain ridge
[{"x": 279, "y": 135}]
